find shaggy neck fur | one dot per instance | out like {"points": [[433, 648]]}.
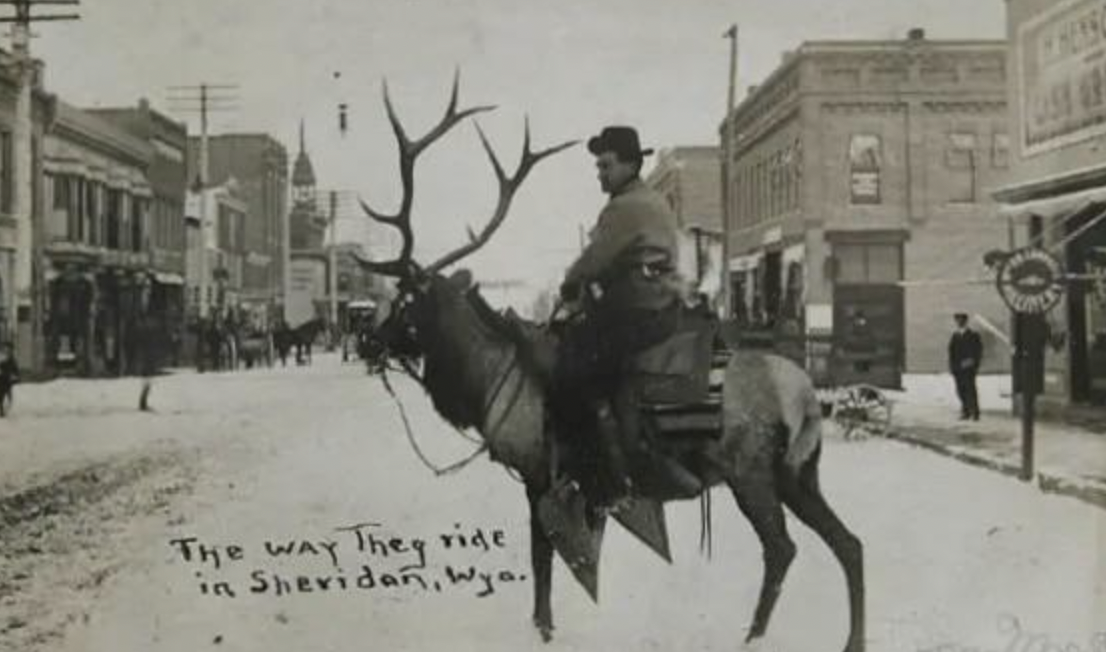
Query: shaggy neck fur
{"points": [[465, 358]]}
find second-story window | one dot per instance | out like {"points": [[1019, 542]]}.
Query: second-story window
{"points": [[960, 159], [865, 169], [113, 216], [1000, 150]]}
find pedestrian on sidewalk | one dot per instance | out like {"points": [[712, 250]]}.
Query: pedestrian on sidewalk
{"points": [[9, 376], [965, 354], [148, 338]]}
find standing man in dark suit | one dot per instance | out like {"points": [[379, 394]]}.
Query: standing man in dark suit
{"points": [[965, 354]]}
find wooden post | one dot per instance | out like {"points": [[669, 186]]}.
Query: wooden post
{"points": [[727, 156]]}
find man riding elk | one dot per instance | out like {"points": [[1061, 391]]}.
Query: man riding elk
{"points": [[627, 288]]}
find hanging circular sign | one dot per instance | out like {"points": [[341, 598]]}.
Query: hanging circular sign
{"points": [[1031, 280]]}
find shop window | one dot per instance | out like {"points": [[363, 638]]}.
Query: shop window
{"points": [[793, 293], [865, 169], [113, 218], [961, 163], [738, 297], [94, 234], [76, 232], [7, 169], [139, 224], [797, 173]]}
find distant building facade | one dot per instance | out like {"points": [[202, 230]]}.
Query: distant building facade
{"points": [[307, 222], [21, 270], [97, 242], [1056, 194], [690, 180], [859, 198], [258, 166], [168, 179]]}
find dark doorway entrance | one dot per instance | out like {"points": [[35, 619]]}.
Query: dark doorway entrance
{"points": [[869, 332], [1086, 254]]}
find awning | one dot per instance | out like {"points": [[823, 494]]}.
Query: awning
{"points": [[1065, 205], [746, 262], [166, 278], [794, 254]]}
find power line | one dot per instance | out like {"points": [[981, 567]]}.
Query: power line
{"points": [[205, 103], [23, 14]]}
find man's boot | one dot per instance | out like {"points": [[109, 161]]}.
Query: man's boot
{"points": [[616, 485]]}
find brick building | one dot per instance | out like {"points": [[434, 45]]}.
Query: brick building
{"points": [[258, 165], [690, 179], [20, 268], [1056, 195], [96, 241], [860, 209], [227, 212], [168, 178]]}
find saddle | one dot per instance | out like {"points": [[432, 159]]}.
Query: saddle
{"points": [[678, 382]]}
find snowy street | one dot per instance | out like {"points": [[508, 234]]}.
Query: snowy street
{"points": [[284, 509]]}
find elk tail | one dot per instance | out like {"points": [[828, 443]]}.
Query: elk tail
{"points": [[806, 434]]}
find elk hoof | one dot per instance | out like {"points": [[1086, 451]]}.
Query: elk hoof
{"points": [[545, 629]]}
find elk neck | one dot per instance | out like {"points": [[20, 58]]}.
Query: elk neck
{"points": [[466, 359]]}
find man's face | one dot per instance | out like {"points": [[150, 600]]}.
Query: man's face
{"points": [[614, 173], [961, 322]]}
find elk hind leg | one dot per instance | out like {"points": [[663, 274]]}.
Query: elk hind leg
{"points": [[802, 494], [758, 500]]}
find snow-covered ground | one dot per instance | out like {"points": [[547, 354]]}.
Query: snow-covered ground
{"points": [[957, 558], [939, 390]]}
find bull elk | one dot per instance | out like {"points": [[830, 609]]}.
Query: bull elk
{"points": [[481, 375]]}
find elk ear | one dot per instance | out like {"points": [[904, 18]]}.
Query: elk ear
{"points": [[461, 280]]}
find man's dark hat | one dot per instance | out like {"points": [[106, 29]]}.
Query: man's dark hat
{"points": [[960, 315], [620, 140]]}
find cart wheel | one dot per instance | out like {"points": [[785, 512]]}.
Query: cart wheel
{"points": [[861, 411]]}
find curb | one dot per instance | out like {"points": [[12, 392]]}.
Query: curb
{"points": [[1046, 482]]}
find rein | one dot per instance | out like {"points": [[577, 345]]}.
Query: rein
{"points": [[438, 471], [483, 444]]}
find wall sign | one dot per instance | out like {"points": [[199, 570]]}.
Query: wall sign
{"points": [[1061, 59]]}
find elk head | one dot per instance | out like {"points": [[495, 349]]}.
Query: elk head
{"points": [[424, 293]]}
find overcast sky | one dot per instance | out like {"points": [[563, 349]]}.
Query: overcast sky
{"points": [[572, 65]]}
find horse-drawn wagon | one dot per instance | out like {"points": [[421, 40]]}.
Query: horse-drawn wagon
{"points": [[845, 368]]}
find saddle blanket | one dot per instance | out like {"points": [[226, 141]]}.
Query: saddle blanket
{"points": [[700, 418]]}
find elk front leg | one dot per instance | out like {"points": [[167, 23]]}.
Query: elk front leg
{"points": [[541, 563]]}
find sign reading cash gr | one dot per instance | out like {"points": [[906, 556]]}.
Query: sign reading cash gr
{"points": [[1030, 280], [1061, 72]]}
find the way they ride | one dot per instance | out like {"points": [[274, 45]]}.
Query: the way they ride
{"points": [[484, 372]]}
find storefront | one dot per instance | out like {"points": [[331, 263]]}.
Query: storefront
{"points": [[1056, 198]]}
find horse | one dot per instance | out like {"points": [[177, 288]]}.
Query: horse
{"points": [[302, 337], [481, 375], [256, 349]]}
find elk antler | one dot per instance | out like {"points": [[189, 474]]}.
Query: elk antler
{"points": [[409, 151], [507, 188]]}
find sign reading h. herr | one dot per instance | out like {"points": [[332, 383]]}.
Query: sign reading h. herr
{"points": [[1030, 280], [1062, 75]]}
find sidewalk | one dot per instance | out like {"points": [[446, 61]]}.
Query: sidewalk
{"points": [[1070, 454]]}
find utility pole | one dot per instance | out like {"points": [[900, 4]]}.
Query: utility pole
{"points": [[203, 98], [30, 261], [331, 265], [727, 157]]}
